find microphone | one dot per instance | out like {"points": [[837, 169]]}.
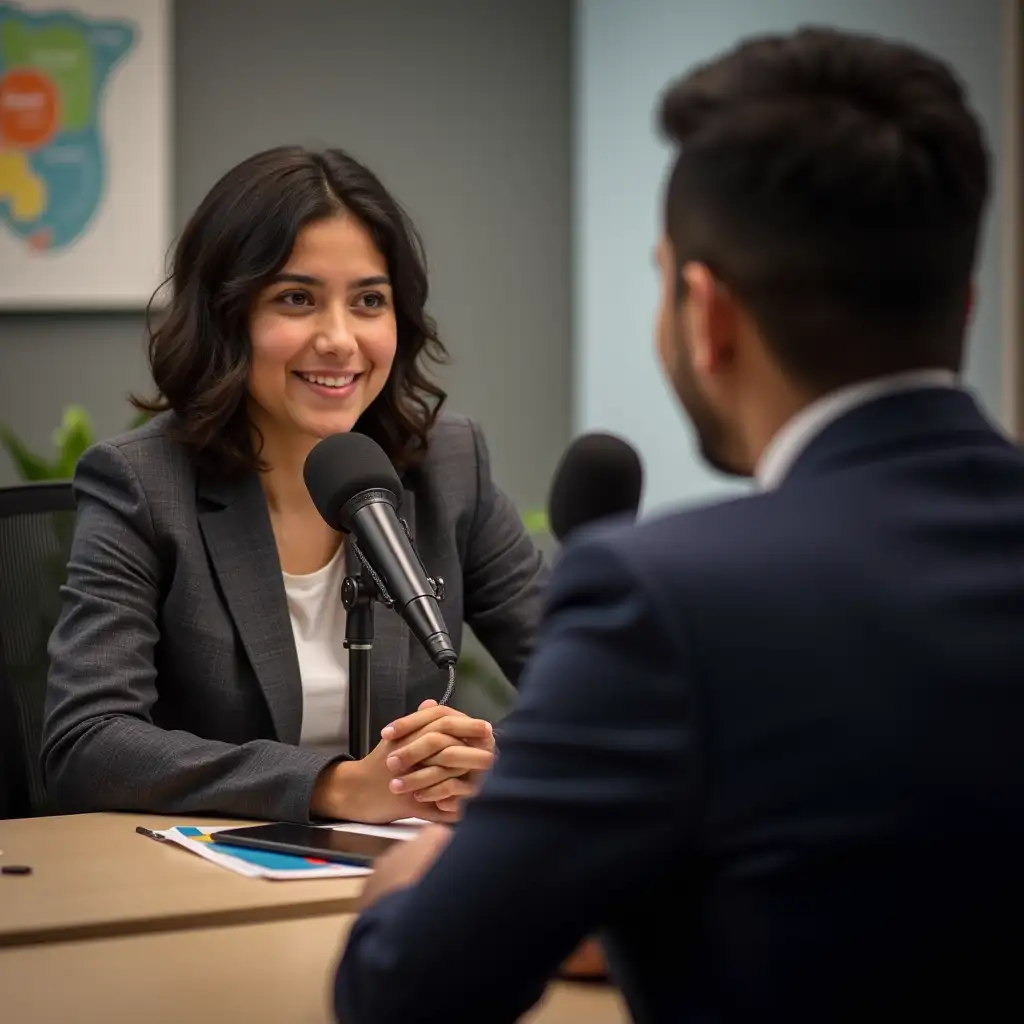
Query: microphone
{"points": [[599, 475], [356, 490]]}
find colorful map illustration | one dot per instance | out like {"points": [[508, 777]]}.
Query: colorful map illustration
{"points": [[54, 69]]}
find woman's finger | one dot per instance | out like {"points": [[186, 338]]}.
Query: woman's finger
{"points": [[422, 778], [446, 790]]}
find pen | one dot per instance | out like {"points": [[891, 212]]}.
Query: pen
{"points": [[150, 833]]}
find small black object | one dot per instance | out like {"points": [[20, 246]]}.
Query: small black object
{"points": [[15, 869], [149, 833], [600, 475]]}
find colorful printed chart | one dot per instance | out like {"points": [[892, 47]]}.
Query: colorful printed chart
{"points": [[54, 69], [85, 153]]}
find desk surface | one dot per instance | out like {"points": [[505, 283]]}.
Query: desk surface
{"points": [[175, 937], [253, 973], [93, 876]]}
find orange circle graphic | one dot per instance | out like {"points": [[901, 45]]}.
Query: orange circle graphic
{"points": [[28, 109]]}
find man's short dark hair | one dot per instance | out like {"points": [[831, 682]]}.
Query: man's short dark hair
{"points": [[835, 183]]}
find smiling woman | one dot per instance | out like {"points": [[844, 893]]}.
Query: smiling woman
{"points": [[323, 335], [296, 262], [199, 663]]}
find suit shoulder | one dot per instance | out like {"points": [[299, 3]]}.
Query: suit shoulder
{"points": [[453, 457], [163, 466], [451, 433], [727, 533], [150, 440]]}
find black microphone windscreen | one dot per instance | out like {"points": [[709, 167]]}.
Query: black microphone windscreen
{"points": [[342, 466], [599, 475]]}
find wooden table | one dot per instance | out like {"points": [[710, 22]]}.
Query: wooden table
{"points": [[113, 926], [93, 876]]}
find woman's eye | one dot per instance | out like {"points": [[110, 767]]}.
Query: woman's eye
{"points": [[374, 300], [299, 299]]}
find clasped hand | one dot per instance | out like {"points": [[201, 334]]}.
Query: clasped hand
{"points": [[438, 755], [425, 765]]}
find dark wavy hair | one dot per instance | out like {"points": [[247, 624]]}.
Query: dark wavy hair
{"points": [[241, 235]]}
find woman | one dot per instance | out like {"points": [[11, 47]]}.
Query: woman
{"points": [[198, 663]]}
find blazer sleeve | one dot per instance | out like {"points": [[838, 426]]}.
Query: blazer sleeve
{"points": [[505, 576], [101, 749], [593, 795]]}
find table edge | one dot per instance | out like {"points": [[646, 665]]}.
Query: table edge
{"points": [[186, 921]]}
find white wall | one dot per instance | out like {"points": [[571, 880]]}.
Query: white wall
{"points": [[627, 51]]}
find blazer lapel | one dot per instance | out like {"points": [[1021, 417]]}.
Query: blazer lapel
{"points": [[389, 661], [240, 542]]}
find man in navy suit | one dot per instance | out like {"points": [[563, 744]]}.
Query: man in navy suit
{"points": [[772, 751]]}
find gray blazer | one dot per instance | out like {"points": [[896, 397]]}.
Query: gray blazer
{"points": [[174, 682]]}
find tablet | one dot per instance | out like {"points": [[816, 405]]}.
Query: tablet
{"points": [[308, 841]]}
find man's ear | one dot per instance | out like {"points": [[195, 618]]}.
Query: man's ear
{"points": [[711, 319]]}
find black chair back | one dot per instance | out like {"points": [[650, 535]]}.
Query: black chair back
{"points": [[36, 526]]}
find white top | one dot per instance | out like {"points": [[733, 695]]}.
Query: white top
{"points": [[318, 625], [786, 446]]}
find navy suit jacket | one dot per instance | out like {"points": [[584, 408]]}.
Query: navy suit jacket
{"points": [[772, 750]]}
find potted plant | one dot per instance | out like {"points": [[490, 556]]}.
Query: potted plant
{"points": [[70, 440]]}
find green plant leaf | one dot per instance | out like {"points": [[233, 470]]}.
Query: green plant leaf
{"points": [[536, 521], [470, 666], [474, 670], [72, 438], [30, 467]]}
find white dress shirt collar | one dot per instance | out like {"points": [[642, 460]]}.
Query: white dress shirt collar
{"points": [[790, 441]]}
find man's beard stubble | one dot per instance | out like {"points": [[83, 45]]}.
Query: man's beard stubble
{"points": [[712, 430]]}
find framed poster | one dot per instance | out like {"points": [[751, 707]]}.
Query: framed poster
{"points": [[84, 153]]}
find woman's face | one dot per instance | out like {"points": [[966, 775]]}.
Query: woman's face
{"points": [[323, 336]]}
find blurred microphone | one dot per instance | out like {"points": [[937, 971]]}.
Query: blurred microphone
{"points": [[599, 475], [356, 489]]}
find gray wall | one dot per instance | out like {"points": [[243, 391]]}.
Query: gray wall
{"points": [[462, 107]]}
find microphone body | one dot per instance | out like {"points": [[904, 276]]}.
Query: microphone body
{"points": [[357, 491], [395, 568]]}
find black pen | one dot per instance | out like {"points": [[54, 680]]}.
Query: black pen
{"points": [[149, 832]]}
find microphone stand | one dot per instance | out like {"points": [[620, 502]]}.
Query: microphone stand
{"points": [[359, 595]]}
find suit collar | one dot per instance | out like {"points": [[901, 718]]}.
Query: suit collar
{"points": [[240, 543], [925, 418], [221, 490], [785, 448]]}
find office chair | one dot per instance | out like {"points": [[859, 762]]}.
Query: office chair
{"points": [[36, 526]]}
